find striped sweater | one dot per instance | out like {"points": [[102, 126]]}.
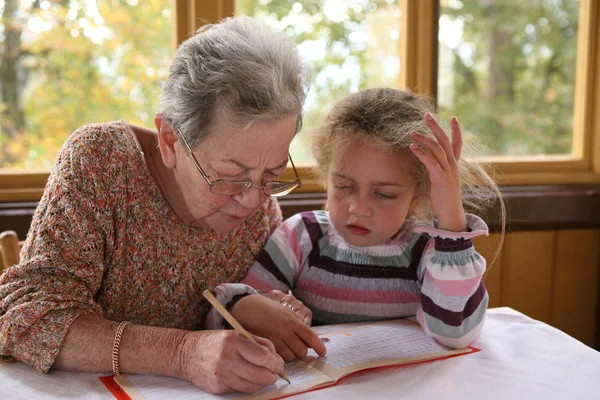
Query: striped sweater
{"points": [[423, 271]]}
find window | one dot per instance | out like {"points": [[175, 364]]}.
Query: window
{"points": [[66, 64], [563, 152], [508, 70], [538, 117], [350, 45]]}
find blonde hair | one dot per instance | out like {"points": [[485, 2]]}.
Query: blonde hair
{"points": [[385, 117]]}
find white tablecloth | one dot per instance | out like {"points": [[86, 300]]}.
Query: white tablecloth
{"points": [[520, 358]]}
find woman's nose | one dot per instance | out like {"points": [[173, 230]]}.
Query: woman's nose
{"points": [[251, 198]]}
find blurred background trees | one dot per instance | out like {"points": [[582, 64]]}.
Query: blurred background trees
{"points": [[68, 63], [505, 68], [511, 76]]}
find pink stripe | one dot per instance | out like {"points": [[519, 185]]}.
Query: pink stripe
{"points": [[257, 283], [421, 319], [292, 239], [356, 295], [455, 287]]}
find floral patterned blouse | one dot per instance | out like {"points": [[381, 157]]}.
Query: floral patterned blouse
{"points": [[104, 241]]}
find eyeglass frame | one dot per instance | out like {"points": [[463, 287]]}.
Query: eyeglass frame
{"points": [[244, 183]]}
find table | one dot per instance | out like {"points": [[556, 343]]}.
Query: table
{"points": [[520, 358]]}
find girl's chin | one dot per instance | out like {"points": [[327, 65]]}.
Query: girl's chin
{"points": [[360, 241]]}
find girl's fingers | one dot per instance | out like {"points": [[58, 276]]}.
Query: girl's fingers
{"points": [[456, 138], [312, 340], [434, 148], [297, 346], [304, 315], [440, 135], [284, 351], [426, 158]]}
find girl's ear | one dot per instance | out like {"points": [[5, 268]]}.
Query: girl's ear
{"points": [[166, 141]]}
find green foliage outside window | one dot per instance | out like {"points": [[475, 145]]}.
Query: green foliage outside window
{"points": [[506, 68], [69, 63], [350, 45], [510, 77]]}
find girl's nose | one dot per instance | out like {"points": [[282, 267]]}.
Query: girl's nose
{"points": [[360, 207]]}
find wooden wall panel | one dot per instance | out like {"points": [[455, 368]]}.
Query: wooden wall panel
{"points": [[486, 246], [575, 292], [547, 269], [529, 272]]}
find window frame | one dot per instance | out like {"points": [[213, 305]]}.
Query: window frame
{"points": [[418, 52], [188, 15], [419, 41]]}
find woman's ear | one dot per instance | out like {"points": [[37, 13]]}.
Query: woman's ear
{"points": [[167, 137]]}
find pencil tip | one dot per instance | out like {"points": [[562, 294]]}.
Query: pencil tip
{"points": [[284, 376]]}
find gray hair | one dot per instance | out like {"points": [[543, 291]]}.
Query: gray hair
{"points": [[239, 68]]}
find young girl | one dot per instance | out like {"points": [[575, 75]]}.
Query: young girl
{"points": [[388, 166]]}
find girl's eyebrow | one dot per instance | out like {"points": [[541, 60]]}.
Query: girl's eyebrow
{"points": [[383, 183], [377, 183], [338, 175]]}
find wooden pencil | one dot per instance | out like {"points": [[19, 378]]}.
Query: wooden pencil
{"points": [[233, 322]]}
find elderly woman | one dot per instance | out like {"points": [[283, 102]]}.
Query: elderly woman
{"points": [[135, 224]]}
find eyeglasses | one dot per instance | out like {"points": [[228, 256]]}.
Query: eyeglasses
{"points": [[228, 187]]}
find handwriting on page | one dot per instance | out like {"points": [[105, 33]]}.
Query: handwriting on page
{"points": [[378, 342], [160, 387], [297, 372]]}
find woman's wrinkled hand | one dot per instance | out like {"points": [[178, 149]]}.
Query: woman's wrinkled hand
{"points": [[301, 312], [272, 320], [224, 361]]}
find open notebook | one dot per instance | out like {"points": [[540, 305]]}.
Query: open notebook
{"points": [[350, 348]]}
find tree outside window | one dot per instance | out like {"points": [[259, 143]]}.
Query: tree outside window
{"points": [[507, 69], [73, 62]]}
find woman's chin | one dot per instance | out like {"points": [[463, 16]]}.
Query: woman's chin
{"points": [[226, 225]]}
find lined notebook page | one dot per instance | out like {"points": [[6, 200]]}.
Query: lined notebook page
{"points": [[380, 344], [350, 348], [157, 387]]}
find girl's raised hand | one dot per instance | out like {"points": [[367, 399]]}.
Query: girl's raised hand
{"points": [[440, 157]]}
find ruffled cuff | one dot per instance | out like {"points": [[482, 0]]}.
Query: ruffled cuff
{"points": [[475, 227], [226, 294], [455, 248]]}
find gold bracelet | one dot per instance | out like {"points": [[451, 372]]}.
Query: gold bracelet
{"points": [[116, 344]]}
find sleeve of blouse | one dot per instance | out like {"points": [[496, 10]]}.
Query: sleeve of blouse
{"points": [[62, 262], [453, 296], [276, 267]]}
